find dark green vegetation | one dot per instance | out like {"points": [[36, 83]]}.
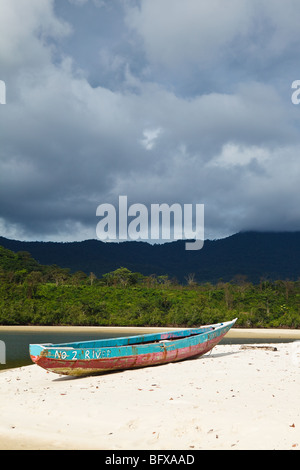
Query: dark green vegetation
{"points": [[255, 255], [35, 294]]}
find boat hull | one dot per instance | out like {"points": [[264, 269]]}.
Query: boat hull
{"points": [[85, 360]]}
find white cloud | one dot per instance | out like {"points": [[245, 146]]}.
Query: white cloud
{"points": [[97, 3], [197, 45], [24, 27], [150, 136], [236, 155], [176, 32]]}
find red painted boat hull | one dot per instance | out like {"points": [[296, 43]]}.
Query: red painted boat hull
{"points": [[95, 365]]}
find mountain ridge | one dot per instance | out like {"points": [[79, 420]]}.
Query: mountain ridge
{"points": [[254, 255]]}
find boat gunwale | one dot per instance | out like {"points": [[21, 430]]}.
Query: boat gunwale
{"points": [[138, 340]]}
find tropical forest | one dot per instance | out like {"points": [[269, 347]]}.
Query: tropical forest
{"points": [[36, 294]]}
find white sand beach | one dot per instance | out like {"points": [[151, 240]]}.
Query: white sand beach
{"points": [[236, 397]]}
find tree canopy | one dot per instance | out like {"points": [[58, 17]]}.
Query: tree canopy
{"points": [[34, 294]]}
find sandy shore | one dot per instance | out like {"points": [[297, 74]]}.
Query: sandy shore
{"points": [[232, 398], [237, 333]]}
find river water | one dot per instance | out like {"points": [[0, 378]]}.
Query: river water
{"points": [[16, 341]]}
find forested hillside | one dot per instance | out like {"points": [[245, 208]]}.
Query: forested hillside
{"points": [[256, 255], [34, 294]]}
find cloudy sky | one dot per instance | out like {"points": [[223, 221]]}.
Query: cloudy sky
{"points": [[165, 101]]}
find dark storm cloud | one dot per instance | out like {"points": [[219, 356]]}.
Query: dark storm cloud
{"points": [[159, 100]]}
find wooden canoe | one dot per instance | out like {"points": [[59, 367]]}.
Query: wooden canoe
{"points": [[93, 357]]}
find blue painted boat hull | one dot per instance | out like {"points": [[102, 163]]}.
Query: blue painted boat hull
{"points": [[94, 357]]}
